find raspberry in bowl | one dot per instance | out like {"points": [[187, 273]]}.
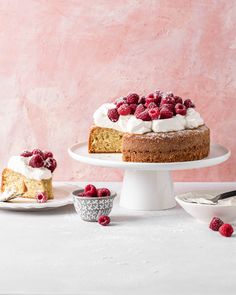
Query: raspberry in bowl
{"points": [[91, 202]]}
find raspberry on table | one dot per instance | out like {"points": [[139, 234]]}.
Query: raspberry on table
{"points": [[90, 191], [104, 220], [215, 223], [226, 230], [103, 192], [113, 115]]}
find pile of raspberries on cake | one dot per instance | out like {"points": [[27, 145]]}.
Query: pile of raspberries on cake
{"points": [[157, 105], [39, 159]]}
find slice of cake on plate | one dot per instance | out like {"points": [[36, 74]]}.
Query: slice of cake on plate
{"points": [[30, 174], [160, 127]]}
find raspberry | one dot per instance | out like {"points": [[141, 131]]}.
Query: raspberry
{"points": [[148, 101], [82, 194], [178, 99], [180, 112], [168, 100], [188, 103], [215, 223], [90, 191], [26, 154], [124, 110], [157, 99], [36, 161], [103, 192], [41, 197], [168, 106], [151, 95], [142, 100], [104, 220], [159, 93], [180, 106], [119, 103], [152, 105], [154, 113], [226, 230], [140, 108], [171, 94], [47, 155], [37, 152], [144, 116], [132, 98], [165, 113], [158, 96], [50, 164], [133, 107], [113, 115], [180, 109]]}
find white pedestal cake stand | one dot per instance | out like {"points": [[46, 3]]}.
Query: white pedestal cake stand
{"points": [[146, 186]]}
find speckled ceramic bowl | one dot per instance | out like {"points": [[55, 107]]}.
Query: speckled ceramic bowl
{"points": [[89, 208]]}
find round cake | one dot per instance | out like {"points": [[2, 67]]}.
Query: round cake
{"points": [[160, 127], [174, 146]]}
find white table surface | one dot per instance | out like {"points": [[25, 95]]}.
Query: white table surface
{"points": [[165, 252]]}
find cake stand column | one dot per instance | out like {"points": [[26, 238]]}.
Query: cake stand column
{"points": [[147, 190]]}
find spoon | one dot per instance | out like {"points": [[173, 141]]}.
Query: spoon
{"points": [[214, 200], [9, 196]]}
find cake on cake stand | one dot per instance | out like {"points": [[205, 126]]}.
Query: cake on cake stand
{"points": [[147, 186]]}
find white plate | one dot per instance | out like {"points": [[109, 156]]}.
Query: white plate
{"points": [[62, 197], [204, 212], [79, 152]]}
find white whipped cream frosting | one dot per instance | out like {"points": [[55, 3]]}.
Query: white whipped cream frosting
{"points": [[133, 125], [138, 126], [172, 124], [193, 119], [21, 165]]}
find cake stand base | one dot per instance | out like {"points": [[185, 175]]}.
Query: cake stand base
{"points": [[147, 186], [147, 190]]}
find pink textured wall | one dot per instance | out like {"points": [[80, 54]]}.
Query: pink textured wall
{"points": [[60, 59]]}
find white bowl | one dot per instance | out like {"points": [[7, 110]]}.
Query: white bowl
{"points": [[205, 213]]}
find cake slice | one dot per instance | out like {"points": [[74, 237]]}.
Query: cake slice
{"points": [[30, 174], [104, 140]]}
